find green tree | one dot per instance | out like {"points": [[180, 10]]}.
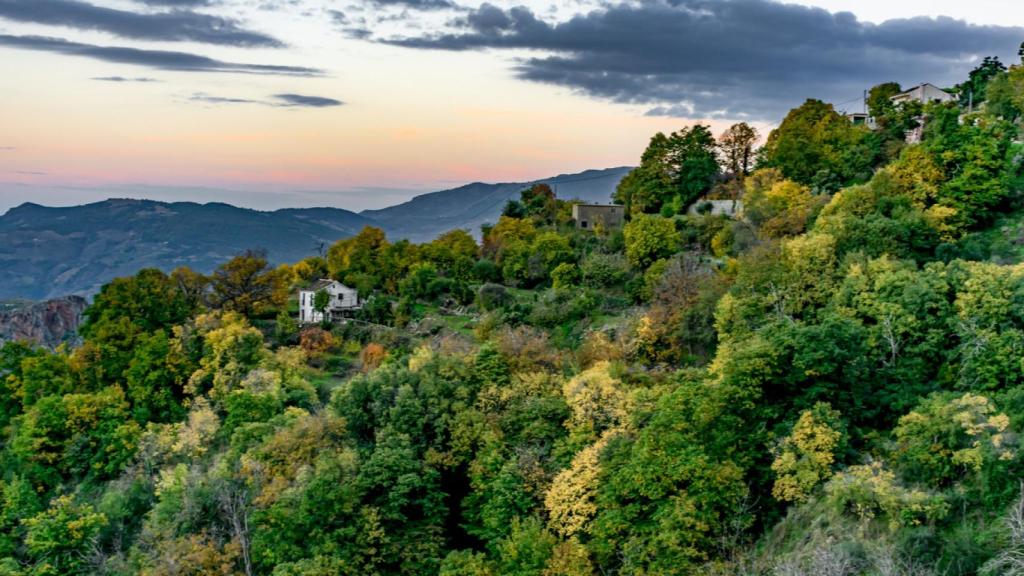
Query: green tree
{"points": [[60, 539], [650, 238], [248, 285], [737, 148], [674, 170], [806, 456], [975, 89], [321, 300], [816, 146]]}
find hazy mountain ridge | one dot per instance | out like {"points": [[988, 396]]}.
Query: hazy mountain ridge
{"points": [[49, 252], [469, 206]]}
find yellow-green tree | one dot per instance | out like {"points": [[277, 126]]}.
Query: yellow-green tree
{"points": [[806, 457]]}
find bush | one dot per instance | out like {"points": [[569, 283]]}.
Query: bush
{"points": [[650, 238], [565, 275], [604, 270], [557, 307], [486, 271], [492, 297]]}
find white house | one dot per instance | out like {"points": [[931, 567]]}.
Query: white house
{"points": [[924, 93], [716, 207], [343, 299]]}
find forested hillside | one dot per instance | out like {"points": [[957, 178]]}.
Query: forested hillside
{"points": [[831, 383], [49, 252]]}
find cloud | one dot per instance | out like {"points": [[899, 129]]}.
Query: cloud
{"points": [[8, 148], [124, 79], [29, 173], [298, 100], [158, 59], [277, 101], [175, 25], [176, 3], [208, 99], [417, 4], [722, 58]]}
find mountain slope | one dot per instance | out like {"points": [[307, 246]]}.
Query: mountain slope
{"points": [[424, 217], [47, 323], [50, 252]]}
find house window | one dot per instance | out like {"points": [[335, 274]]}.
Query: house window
{"points": [[583, 223]]}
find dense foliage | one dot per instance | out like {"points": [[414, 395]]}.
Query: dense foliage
{"points": [[829, 383]]}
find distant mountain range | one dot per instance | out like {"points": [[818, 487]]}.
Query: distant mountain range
{"points": [[48, 252], [424, 217]]}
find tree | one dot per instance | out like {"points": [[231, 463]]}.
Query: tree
{"points": [[674, 171], [948, 438], [1005, 94], [247, 284], [321, 300], [805, 457], [816, 146], [694, 163], [880, 104], [649, 238], [359, 261], [539, 202], [645, 188], [975, 89], [156, 379], [61, 538], [737, 147]]}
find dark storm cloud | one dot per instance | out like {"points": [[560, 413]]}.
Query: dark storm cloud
{"points": [[298, 100], [176, 3], [159, 59], [176, 25], [724, 58], [277, 101]]}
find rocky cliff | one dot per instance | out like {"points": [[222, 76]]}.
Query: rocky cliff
{"points": [[47, 323]]}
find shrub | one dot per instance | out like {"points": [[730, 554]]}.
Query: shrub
{"points": [[491, 297], [604, 270], [565, 275]]}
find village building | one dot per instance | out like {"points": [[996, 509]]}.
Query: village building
{"points": [[924, 93], [588, 216], [730, 208], [862, 119], [342, 300]]}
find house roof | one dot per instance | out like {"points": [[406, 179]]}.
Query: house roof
{"points": [[324, 283], [908, 91]]}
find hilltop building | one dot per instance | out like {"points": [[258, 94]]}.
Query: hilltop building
{"points": [[587, 216], [343, 300], [924, 93], [730, 208], [862, 119]]}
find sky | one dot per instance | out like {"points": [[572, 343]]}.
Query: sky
{"points": [[365, 103]]}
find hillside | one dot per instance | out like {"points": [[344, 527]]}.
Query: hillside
{"points": [[51, 252], [827, 384], [467, 207], [49, 323]]}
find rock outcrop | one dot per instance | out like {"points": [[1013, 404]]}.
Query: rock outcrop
{"points": [[49, 323]]}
